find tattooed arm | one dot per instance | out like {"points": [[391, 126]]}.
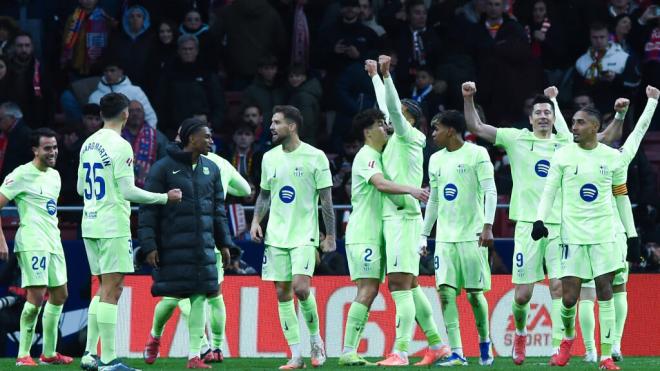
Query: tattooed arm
{"points": [[328, 211], [260, 211]]}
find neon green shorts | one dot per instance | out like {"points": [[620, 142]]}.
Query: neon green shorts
{"points": [[366, 261], [590, 261], [620, 277], [401, 239], [462, 265], [41, 268], [218, 265], [280, 265], [529, 255], [109, 255]]}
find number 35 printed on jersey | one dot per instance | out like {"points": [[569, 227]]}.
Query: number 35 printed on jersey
{"points": [[94, 185]]}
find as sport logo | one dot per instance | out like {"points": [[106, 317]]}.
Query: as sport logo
{"points": [[287, 194], [450, 192], [589, 192], [542, 168]]}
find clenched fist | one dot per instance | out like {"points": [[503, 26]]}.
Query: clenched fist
{"points": [[469, 89]]}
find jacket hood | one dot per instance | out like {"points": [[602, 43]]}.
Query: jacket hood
{"points": [[126, 16], [104, 86]]}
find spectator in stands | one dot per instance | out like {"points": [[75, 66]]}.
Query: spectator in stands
{"points": [[368, 18], [354, 92], [645, 38], [85, 39], [266, 91], [31, 86], [502, 51], [341, 168], [5, 79], [208, 51], [620, 29], [149, 144], [582, 100], [547, 42], [252, 116], [415, 45], [8, 29], [132, 45], [244, 155], [69, 153], [605, 71], [251, 30], [305, 94], [15, 148], [187, 87], [424, 92], [622, 7], [161, 53], [643, 190], [114, 81]]}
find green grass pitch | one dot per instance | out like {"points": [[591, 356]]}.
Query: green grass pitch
{"points": [[501, 363]]}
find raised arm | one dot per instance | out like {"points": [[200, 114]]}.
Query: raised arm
{"points": [[401, 126], [371, 67], [472, 120], [328, 211], [614, 130], [631, 146], [560, 123]]}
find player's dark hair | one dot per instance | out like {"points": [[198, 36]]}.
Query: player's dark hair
{"points": [[291, 114], [365, 119], [112, 104], [594, 113], [452, 119], [414, 108], [37, 134], [542, 99], [189, 127]]}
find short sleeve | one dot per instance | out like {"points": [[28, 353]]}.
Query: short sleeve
{"points": [[123, 162], [504, 137], [264, 173], [12, 185], [322, 176], [368, 167], [483, 165]]}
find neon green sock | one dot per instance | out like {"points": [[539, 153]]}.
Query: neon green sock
{"points": [[354, 324], [50, 322], [92, 327], [568, 319], [184, 307], [196, 322], [289, 322], [28, 321], [162, 313], [106, 317], [480, 310], [587, 324], [405, 318], [310, 314], [424, 316], [620, 314], [557, 322], [606, 319], [520, 313], [450, 315], [218, 319]]}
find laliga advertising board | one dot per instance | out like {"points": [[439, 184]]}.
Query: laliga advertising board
{"points": [[253, 327]]}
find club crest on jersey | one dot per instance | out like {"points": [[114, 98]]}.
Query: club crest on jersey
{"points": [[205, 170], [603, 170], [589, 192], [287, 194], [298, 171], [51, 207], [542, 168], [450, 192], [461, 168]]}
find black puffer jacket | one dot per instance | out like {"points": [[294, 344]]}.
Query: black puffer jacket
{"points": [[185, 234]]}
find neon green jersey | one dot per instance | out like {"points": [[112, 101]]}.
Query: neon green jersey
{"points": [[105, 157], [586, 179], [530, 162], [365, 224], [457, 178], [403, 160], [35, 193], [232, 181], [294, 180]]}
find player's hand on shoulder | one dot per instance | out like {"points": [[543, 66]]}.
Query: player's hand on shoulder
{"points": [[621, 105], [174, 195], [469, 89], [255, 233], [329, 244], [152, 259], [422, 249], [486, 237], [4, 250], [652, 92], [421, 194], [551, 92]]}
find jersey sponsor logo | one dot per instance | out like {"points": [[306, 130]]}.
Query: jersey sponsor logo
{"points": [[589, 192], [542, 168], [298, 171], [287, 194], [51, 207], [450, 192]]}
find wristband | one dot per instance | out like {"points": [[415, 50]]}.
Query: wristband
{"points": [[620, 115]]}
